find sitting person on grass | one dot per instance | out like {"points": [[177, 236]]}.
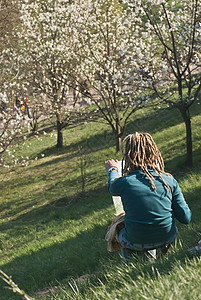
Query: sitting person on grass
{"points": [[151, 198]]}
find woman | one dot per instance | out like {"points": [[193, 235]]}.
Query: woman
{"points": [[151, 197]]}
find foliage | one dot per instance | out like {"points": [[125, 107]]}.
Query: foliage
{"points": [[47, 48], [9, 23], [107, 52], [13, 127], [12, 124], [171, 53], [117, 55]]}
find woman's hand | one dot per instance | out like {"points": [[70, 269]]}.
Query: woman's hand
{"points": [[111, 163]]}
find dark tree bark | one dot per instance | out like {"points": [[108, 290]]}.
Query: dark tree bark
{"points": [[189, 145], [59, 132]]}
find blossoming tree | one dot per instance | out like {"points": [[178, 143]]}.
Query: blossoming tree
{"points": [[11, 125], [47, 45], [172, 56], [107, 52]]}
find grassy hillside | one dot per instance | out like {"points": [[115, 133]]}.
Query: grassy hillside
{"points": [[54, 215]]}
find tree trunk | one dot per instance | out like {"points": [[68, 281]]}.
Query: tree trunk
{"points": [[189, 146], [118, 135], [35, 127], [34, 122], [59, 133], [118, 144]]}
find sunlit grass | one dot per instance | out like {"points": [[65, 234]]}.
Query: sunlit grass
{"points": [[52, 232]]}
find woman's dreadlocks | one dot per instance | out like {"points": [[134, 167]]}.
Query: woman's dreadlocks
{"points": [[141, 151]]}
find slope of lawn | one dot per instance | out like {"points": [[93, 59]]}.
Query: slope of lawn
{"points": [[54, 214]]}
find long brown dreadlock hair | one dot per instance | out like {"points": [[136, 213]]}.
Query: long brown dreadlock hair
{"points": [[141, 151]]}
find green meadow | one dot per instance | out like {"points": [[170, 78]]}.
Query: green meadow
{"points": [[55, 211]]}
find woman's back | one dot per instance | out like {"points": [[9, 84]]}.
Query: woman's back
{"points": [[151, 197]]}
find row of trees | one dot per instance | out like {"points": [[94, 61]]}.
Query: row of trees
{"points": [[9, 129], [119, 54]]}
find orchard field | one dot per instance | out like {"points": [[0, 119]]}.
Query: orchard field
{"points": [[55, 213]]}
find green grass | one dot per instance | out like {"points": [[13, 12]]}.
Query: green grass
{"points": [[52, 232]]}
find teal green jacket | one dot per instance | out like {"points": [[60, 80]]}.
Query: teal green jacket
{"points": [[149, 215]]}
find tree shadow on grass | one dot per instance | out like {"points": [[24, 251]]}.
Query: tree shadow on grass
{"points": [[63, 208], [193, 199], [30, 192], [104, 140], [93, 143], [153, 122], [85, 254], [177, 165], [75, 257], [66, 260], [159, 119], [86, 146], [65, 202]]}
